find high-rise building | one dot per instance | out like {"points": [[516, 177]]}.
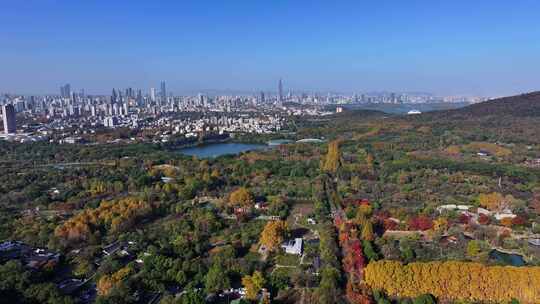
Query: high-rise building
{"points": [[152, 94], [163, 92], [280, 90], [65, 91], [114, 96], [262, 97], [140, 100], [10, 122], [201, 99], [393, 98]]}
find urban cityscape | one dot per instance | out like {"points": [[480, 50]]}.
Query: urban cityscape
{"points": [[72, 113]]}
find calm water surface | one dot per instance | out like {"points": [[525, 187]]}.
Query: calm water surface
{"points": [[507, 258], [218, 149]]}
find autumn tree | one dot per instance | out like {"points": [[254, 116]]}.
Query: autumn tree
{"points": [[483, 219], [420, 222], [241, 197], [491, 201], [107, 282], [114, 216], [367, 231], [332, 160], [453, 280], [370, 163], [273, 235], [253, 284], [507, 221], [440, 224]]}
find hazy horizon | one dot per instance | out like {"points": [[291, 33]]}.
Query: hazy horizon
{"points": [[458, 48]]}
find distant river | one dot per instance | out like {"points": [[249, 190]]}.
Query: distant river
{"points": [[219, 149]]}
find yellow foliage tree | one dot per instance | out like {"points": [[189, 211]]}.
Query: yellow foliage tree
{"points": [[370, 163], [253, 284], [453, 150], [273, 234], [453, 281], [491, 201], [367, 231], [118, 215], [107, 282], [331, 162], [241, 197], [440, 224], [365, 210]]}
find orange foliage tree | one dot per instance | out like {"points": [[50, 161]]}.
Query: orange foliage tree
{"points": [[107, 282], [273, 234], [114, 215]]}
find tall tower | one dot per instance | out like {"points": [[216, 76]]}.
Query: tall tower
{"points": [[8, 115], [163, 91], [114, 96], [152, 94], [280, 91]]}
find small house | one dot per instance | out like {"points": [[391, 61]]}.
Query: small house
{"points": [[293, 246]]}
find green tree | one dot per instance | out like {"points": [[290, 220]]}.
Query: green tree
{"points": [[425, 299], [328, 290], [217, 279]]}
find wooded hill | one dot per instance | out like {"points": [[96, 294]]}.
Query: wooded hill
{"points": [[525, 105]]}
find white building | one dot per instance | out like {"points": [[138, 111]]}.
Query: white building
{"points": [[293, 247]]}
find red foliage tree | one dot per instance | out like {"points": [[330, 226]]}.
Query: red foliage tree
{"points": [[420, 222], [464, 219], [483, 219], [389, 224], [519, 221]]}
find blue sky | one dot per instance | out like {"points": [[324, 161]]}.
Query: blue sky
{"points": [[447, 47]]}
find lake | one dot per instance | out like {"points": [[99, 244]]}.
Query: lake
{"points": [[219, 149], [507, 258]]}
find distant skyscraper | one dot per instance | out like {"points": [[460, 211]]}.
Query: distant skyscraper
{"points": [[280, 90], [163, 92], [65, 91], [8, 115], [201, 99], [114, 96], [262, 97], [152, 94], [140, 100]]}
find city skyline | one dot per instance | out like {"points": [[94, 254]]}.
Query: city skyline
{"points": [[279, 91]]}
